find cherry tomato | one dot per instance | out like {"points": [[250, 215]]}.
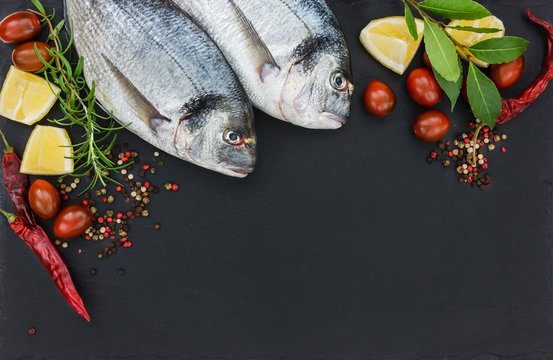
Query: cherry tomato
{"points": [[506, 75], [426, 60], [72, 221], [379, 98], [431, 125], [19, 27], [44, 199], [424, 88], [24, 56]]}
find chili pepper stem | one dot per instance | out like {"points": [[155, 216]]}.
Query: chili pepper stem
{"points": [[11, 217], [8, 149]]}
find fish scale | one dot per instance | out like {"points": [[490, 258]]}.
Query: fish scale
{"points": [[159, 73]]}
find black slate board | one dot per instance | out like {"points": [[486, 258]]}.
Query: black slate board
{"points": [[342, 245]]}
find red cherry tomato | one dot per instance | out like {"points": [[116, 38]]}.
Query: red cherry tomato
{"points": [[44, 199], [24, 56], [72, 221], [19, 27], [431, 125], [426, 60], [424, 88], [379, 98], [506, 75]]}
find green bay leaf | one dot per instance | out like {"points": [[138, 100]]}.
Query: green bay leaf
{"points": [[441, 51], [451, 88], [484, 98], [456, 9], [499, 50], [411, 24]]}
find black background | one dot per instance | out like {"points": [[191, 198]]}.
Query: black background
{"points": [[342, 245]]}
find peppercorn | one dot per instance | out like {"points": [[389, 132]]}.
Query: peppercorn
{"points": [[93, 271], [120, 271]]}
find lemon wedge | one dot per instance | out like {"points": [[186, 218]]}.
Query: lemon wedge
{"points": [[25, 97], [389, 41], [47, 152], [467, 38]]}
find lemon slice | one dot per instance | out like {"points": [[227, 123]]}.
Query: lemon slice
{"points": [[25, 97], [389, 41], [47, 152], [468, 38]]}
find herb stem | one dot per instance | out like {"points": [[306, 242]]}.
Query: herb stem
{"points": [[460, 48], [474, 142]]}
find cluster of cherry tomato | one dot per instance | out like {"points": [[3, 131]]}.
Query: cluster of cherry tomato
{"points": [[430, 126], [70, 222], [21, 28]]}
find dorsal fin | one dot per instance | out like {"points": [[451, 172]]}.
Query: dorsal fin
{"points": [[142, 107], [266, 63]]}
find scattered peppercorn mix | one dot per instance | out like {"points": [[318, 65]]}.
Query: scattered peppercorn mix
{"points": [[467, 155], [111, 226]]}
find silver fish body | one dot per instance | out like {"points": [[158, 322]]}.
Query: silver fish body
{"points": [[161, 75], [290, 55]]}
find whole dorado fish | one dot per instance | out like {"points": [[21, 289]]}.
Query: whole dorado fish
{"points": [[290, 55], [157, 71]]}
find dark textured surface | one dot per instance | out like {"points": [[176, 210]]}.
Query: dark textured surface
{"points": [[342, 245]]}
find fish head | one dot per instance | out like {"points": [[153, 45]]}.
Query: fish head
{"points": [[318, 89], [219, 137]]}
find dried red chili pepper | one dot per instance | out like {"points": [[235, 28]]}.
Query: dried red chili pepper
{"points": [[24, 224], [513, 107], [43, 248], [17, 184]]}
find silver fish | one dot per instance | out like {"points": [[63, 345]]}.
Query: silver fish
{"points": [[156, 70], [290, 55]]}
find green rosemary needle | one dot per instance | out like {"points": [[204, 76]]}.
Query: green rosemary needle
{"points": [[77, 103]]}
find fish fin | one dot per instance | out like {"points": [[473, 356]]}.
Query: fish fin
{"points": [[142, 107], [267, 70], [267, 64]]}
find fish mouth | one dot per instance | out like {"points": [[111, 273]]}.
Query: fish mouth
{"points": [[239, 172], [330, 121]]}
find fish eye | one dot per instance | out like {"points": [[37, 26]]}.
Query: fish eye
{"points": [[232, 137], [338, 81]]}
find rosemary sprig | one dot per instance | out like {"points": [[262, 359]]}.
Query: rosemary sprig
{"points": [[78, 102]]}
